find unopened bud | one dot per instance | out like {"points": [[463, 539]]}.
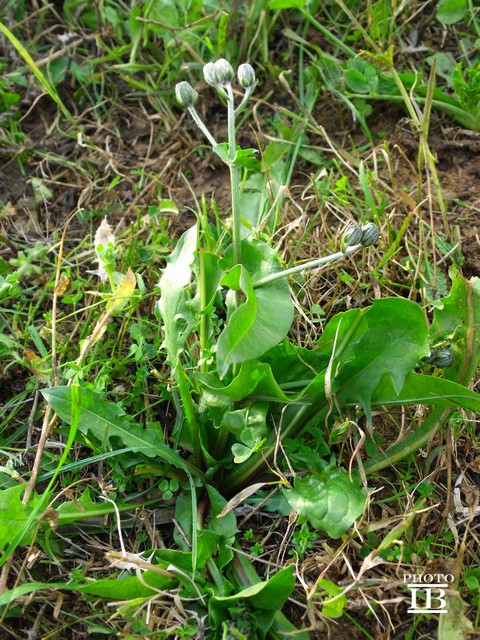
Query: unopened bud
{"points": [[370, 233], [439, 357], [246, 76], [185, 94], [224, 71], [443, 358], [210, 74], [352, 236]]}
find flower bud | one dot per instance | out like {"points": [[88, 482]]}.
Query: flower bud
{"points": [[439, 357], [185, 94], [224, 71], [246, 76], [352, 236], [210, 74], [370, 233], [443, 358]]}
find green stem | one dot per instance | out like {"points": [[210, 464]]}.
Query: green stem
{"points": [[202, 339], [199, 122], [234, 177], [307, 265], [422, 122], [328, 35]]}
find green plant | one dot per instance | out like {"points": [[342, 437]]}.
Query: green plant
{"points": [[303, 540], [241, 388]]}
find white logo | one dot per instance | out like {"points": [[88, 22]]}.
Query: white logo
{"points": [[432, 586]]}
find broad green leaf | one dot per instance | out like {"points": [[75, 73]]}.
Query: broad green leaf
{"points": [[293, 366], [173, 304], [457, 321], [13, 514], [264, 319], [106, 420], [126, 588], [265, 598], [429, 390], [389, 338], [254, 377], [451, 11], [331, 502], [225, 527]]}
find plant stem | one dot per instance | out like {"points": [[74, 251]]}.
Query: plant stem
{"points": [[199, 122], [234, 177], [307, 265], [203, 316]]}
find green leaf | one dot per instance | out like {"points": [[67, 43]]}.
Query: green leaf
{"points": [[274, 5], [451, 11], [389, 338], [225, 527], [253, 377], [457, 321], [428, 390], [251, 442], [331, 502], [126, 588], [265, 318], [106, 420], [174, 297], [335, 608], [243, 157], [13, 515], [266, 598], [361, 77]]}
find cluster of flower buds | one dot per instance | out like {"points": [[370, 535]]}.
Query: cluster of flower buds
{"points": [[218, 74], [364, 235]]}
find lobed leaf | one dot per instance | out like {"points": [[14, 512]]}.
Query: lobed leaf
{"points": [[173, 304], [387, 339], [13, 514], [106, 420], [331, 502]]}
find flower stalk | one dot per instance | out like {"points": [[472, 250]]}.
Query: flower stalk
{"points": [[219, 75], [355, 238]]}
